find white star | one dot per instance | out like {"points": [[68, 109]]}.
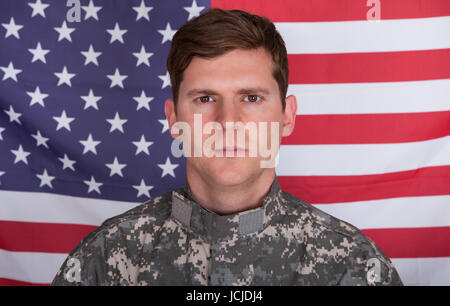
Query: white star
{"points": [[166, 80], [39, 53], [165, 125], [168, 168], [37, 96], [1, 173], [142, 145], [38, 8], [10, 72], [40, 139], [12, 28], [63, 121], [116, 79], [67, 163], [167, 34], [64, 77], [91, 100], [143, 57], [116, 123], [64, 32], [21, 155], [194, 10], [91, 56], [116, 168], [91, 10], [93, 185], [142, 11], [116, 33], [89, 145], [143, 189], [1, 131], [13, 116], [143, 101], [45, 179]]}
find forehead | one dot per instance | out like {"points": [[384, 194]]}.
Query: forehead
{"points": [[235, 69]]}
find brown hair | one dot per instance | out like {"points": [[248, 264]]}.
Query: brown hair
{"points": [[218, 31]]}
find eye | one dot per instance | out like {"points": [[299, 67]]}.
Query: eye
{"points": [[252, 98], [204, 99]]}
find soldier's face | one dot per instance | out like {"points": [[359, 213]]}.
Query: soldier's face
{"points": [[235, 87]]}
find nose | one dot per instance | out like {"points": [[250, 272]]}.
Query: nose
{"points": [[228, 111]]}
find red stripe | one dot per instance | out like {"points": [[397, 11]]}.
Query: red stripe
{"points": [[41, 237], [336, 189], [412, 242], [333, 10], [13, 282], [368, 128], [369, 67]]}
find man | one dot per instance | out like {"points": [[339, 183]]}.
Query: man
{"points": [[231, 224]]}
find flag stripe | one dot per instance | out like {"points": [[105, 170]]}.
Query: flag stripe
{"points": [[322, 189], [372, 98], [332, 10], [363, 36], [368, 128], [423, 271], [362, 159], [369, 67], [13, 282]]}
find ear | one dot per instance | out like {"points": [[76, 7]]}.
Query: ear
{"points": [[290, 113], [169, 110]]}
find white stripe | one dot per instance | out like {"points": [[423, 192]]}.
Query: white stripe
{"points": [[368, 98], [362, 159], [56, 208], [423, 271], [366, 36], [30, 267], [428, 211]]}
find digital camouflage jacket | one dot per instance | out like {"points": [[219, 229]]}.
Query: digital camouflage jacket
{"points": [[172, 240]]}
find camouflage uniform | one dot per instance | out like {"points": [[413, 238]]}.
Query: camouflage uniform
{"points": [[172, 240]]}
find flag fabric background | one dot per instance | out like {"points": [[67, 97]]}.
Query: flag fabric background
{"points": [[83, 135]]}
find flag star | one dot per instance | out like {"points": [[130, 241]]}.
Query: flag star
{"points": [[63, 121], [45, 179], [39, 53], [116, 33], [91, 56], [40, 139], [64, 32], [10, 72], [89, 145], [91, 100], [37, 96], [93, 185], [91, 10], [143, 101], [116, 168], [13, 116], [143, 189], [116, 78], [1, 173], [143, 57], [67, 163], [168, 168], [194, 10], [165, 125], [38, 8], [116, 123], [142, 11], [167, 34], [166, 80], [21, 155], [142, 145], [12, 28], [1, 131], [64, 77]]}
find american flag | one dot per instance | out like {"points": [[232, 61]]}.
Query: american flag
{"points": [[83, 135]]}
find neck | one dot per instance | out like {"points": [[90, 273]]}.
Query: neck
{"points": [[229, 199]]}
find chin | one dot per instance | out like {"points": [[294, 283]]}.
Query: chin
{"points": [[232, 171]]}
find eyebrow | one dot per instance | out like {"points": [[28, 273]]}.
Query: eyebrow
{"points": [[209, 92]]}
